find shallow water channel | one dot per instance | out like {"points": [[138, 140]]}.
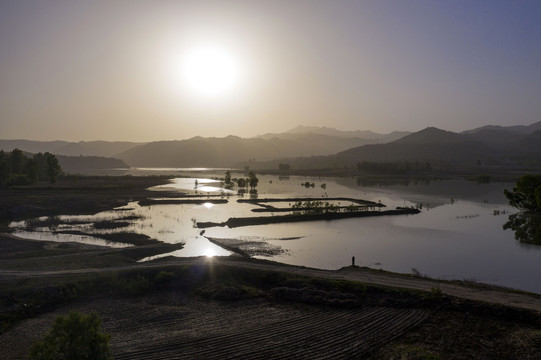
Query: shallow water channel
{"points": [[458, 234]]}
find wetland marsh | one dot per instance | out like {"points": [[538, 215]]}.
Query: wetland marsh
{"points": [[458, 233]]}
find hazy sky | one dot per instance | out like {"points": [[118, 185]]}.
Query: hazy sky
{"points": [[113, 70]]}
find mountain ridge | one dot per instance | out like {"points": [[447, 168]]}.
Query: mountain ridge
{"points": [[488, 144]]}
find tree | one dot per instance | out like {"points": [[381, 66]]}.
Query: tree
{"points": [[253, 180], [526, 195], [31, 169], [5, 172], [241, 182], [227, 179], [17, 160], [41, 160], [73, 337], [53, 167], [527, 227]]}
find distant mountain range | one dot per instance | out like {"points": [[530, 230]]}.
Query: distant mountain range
{"points": [[307, 146], [364, 135], [488, 145], [213, 152], [521, 129]]}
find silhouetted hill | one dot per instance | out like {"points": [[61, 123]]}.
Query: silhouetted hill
{"points": [[497, 137], [228, 151], [430, 144], [321, 144], [32, 146], [529, 144], [365, 135], [522, 129], [489, 146], [97, 148], [75, 164], [432, 135], [85, 148]]}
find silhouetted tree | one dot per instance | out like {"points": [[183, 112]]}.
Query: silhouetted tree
{"points": [[41, 160], [253, 180], [17, 160], [527, 227], [5, 172], [53, 167], [227, 179], [31, 169], [526, 195], [241, 183]]}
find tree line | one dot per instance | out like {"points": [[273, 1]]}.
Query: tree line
{"points": [[396, 167], [18, 169]]}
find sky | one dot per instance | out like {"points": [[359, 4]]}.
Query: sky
{"points": [[119, 70]]}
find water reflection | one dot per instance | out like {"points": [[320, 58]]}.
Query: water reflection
{"points": [[458, 234], [527, 227]]}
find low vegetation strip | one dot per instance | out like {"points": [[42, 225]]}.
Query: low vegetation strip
{"points": [[332, 334], [356, 201], [149, 202], [263, 220]]}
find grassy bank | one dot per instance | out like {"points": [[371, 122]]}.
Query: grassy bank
{"points": [[74, 196], [454, 328]]}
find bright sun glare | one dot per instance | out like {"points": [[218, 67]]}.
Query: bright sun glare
{"points": [[209, 252], [210, 71]]}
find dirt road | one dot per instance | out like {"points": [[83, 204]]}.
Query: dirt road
{"points": [[478, 293]]}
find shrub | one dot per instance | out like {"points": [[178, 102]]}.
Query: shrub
{"points": [[19, 179], [73, 337]]}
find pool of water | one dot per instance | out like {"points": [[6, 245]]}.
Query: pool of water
{"points": [[458, 234]]}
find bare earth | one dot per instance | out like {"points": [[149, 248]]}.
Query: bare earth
{"points": [[172, 325], [486, 294], [169, 327]]}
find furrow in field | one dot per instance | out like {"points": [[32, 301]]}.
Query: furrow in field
{"points": [[330, 334]]}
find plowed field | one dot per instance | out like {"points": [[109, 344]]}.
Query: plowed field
{"points": [[166, 327]]}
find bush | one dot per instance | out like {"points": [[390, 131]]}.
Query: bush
{"points": [[164, 277], [19, 179], [73, 337]]}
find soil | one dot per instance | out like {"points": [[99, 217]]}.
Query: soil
{"points": [[176, 324]]}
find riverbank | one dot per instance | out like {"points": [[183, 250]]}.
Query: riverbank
{"points": [[235, 305], [75, 196]]}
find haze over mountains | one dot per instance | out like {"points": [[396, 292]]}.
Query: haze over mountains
{"points": [[489, 145], [306, 146], [84, 148]]}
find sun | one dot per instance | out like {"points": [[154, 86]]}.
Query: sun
{"points": [[210, 71]]}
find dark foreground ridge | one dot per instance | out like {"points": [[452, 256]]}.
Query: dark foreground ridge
{"points": [[263, 220]]}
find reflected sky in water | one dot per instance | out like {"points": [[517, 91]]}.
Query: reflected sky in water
{"points": [[458, 234]]}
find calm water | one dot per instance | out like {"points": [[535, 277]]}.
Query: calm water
{"points": [[458, 234]]}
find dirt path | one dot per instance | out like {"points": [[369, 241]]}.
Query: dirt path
{"points": [[368, 276]]}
